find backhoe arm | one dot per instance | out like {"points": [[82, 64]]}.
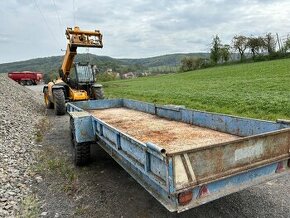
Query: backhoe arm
{"points": [[78, 38]]}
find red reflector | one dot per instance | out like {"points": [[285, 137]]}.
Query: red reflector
{"points": [[184, 197], [203, 191], [280, 167]]}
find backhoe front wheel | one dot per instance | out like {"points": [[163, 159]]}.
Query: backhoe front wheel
{"points": [[98, 92], [59, 102]]}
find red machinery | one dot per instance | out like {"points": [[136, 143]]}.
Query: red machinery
{"points": [[26, 77]]}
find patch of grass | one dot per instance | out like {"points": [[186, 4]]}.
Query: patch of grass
{"points": [[41, 128], [30, 207], [50, 162], [81, 210], [38, 136], [258, 90]]}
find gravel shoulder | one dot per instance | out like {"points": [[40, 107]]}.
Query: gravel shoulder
{"points": [[20, 111], [35, 151]]}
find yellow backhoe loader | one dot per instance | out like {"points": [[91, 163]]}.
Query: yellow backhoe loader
{"points": [[76, 80]]}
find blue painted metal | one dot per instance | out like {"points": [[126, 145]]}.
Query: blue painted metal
{"points": [[83, 127], [235, 183], [223, 168]]}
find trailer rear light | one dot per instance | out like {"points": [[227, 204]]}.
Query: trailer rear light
{"points": [[184, 197], [280, 167], [203, 191]]}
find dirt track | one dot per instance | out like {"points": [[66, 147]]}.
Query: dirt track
{"points": [[104, 189]]}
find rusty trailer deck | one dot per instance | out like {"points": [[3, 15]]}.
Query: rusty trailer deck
{"points": [[183, 157], [168, 134]]}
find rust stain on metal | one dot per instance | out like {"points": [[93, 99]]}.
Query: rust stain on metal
{"points": [[170, 135]]}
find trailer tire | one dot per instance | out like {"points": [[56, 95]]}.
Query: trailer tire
{"points": [[72, 130], [82, 154], [59, 102], [98, 93], [81, 151]]}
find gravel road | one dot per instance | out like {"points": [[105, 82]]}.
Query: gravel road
{"points": [[37, 88], [102, 189]]}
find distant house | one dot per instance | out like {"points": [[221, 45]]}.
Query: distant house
{"points": [[129, 75]]}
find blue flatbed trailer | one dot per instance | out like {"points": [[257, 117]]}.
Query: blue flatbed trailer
{"points": [[185, 179]]}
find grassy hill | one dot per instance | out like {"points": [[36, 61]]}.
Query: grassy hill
{"points": [[164, 60], [259, 90], [49, 64]]}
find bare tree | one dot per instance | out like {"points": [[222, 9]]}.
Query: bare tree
{"points": [[240, 43]]}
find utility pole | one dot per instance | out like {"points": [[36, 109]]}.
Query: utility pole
{"points": [[278, 40]]}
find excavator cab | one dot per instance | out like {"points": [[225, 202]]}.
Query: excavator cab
{"points": [[82, 77], [81, 74], [84, 73]]}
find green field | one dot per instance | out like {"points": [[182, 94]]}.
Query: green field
{"points": [[259, 90]]}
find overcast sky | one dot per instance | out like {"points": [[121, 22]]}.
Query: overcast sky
{"points": [[134, 28]]}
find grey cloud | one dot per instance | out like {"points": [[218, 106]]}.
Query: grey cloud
{"points": [[136, 28]]}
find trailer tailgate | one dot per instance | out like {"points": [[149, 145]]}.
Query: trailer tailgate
{"points": [[207, 164]]}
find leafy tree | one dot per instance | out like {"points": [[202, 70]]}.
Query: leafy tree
{"points": [[240, 43], [287, 45], [270, 43], [191, 63], [255, 44], [104, 77], [225, 53], [215, 51]]}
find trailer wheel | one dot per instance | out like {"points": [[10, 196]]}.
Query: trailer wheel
{"points": [[82, 154], [48, 103], [72, 130], [98, 93], [59, 102], [22, 83], [81, 151]]}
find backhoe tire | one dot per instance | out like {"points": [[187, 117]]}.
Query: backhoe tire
{"points": [[48, 103], [98, 93], [59, 102]]}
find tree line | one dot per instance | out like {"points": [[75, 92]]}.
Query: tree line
{"points": [[256, 48]]}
